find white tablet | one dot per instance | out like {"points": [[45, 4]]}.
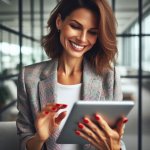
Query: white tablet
{"points": [[111, 111]]}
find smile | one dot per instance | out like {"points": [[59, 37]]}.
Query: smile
{"points": [[76, 46]]}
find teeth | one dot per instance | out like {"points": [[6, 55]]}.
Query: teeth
{"points": [[77, 46]]}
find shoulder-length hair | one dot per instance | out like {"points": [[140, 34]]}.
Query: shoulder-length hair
{"points": [[102, 54]]}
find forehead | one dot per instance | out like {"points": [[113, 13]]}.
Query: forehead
{"points": [[84, 16]]}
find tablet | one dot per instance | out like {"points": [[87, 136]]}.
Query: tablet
{"points": [[111, 111]]}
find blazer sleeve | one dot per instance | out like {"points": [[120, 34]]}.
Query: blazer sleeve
{"points": [[118, 96], [117, 92], [24, 122]]}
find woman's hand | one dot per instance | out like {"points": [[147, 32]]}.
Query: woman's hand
{"points": [[101, 135], [48, 120]]}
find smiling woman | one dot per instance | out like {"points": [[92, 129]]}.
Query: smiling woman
{"points": [[82, 46], [102, 54]]}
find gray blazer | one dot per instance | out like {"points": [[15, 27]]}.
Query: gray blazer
{"points": [[37, 87]]}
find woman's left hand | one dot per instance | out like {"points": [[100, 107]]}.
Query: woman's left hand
{"points": [[102, 136]]}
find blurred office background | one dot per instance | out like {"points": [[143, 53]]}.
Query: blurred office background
{"points": [[23, 22]]}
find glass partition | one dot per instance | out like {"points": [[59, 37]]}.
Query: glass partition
{"points": [[9, 54], [9, 14], [146, 113], [126, 13], [26, 17], [128, 55], [130, 92]]}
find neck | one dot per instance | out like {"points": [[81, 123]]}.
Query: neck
{"points": [[69, 66]]}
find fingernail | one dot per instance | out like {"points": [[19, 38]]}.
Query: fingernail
{"points": [[58, 105], [80, 125], [97, 117], [125, 120], [54, 108], [46, 112], [85, 120], [77, 132], [65, 105]]}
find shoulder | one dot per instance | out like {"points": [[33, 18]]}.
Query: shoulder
{"points": [[111, 84], [111, 77], [112, 73], [107, 75], [37, 66], [35, 70]]}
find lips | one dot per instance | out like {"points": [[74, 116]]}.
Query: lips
{"points": [[76, 47]]}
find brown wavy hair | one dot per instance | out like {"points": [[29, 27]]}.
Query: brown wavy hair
{"points": [[102, 55]]}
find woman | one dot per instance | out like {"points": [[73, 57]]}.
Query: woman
{"points": [[82, 45]]}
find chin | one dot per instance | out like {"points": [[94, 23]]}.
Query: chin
{"points": [[77, 55]]}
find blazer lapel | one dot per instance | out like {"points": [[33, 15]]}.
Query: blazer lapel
{"points": [[92, 83], [91, 90], [47, 85]]}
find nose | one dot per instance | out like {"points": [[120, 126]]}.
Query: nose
{"points": [[82, 37]]}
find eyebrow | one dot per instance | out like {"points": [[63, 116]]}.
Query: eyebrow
{"points": [[82, 25]]}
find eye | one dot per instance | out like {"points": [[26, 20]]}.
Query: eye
{"points": [[93, 32], [74, 26]]}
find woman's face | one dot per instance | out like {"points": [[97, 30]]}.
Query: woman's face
{"points": [[78, 32]]}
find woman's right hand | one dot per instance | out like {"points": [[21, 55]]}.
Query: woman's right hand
{"points": [[48, 120]]}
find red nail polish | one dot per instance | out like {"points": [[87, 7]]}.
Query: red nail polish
{"points": [[125, 120], [77, 132], [97, 117], [85, 120], [65, 105], [54, 109], [80, 125], [46, 112], [58, 105]]}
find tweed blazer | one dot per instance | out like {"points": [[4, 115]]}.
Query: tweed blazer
{"points": [[37, 87]]}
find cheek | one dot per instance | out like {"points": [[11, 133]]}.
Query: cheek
{"points": [[67, 32], [64, 37], [93, 40]]}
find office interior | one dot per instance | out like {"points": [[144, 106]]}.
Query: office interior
{"points": [[23, 23]]}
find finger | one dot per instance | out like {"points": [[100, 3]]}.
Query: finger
{"points": [[120, 125], [94, 128], [50, 110], [90, 140], [103, 124], [60, 117], [88, 132], [56, 107], [53, 108], [122, 132], [42, 113], [45, 110]]}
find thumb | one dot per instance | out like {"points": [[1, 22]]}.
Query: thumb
{"points": [[120, 125], [60, 117]]}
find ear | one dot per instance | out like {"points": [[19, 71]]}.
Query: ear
{"points": [[58, 22]]}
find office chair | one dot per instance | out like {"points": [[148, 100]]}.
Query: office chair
{"points": [[8, 136]]}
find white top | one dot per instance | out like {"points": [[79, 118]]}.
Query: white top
{"points": [[68, 94]]}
